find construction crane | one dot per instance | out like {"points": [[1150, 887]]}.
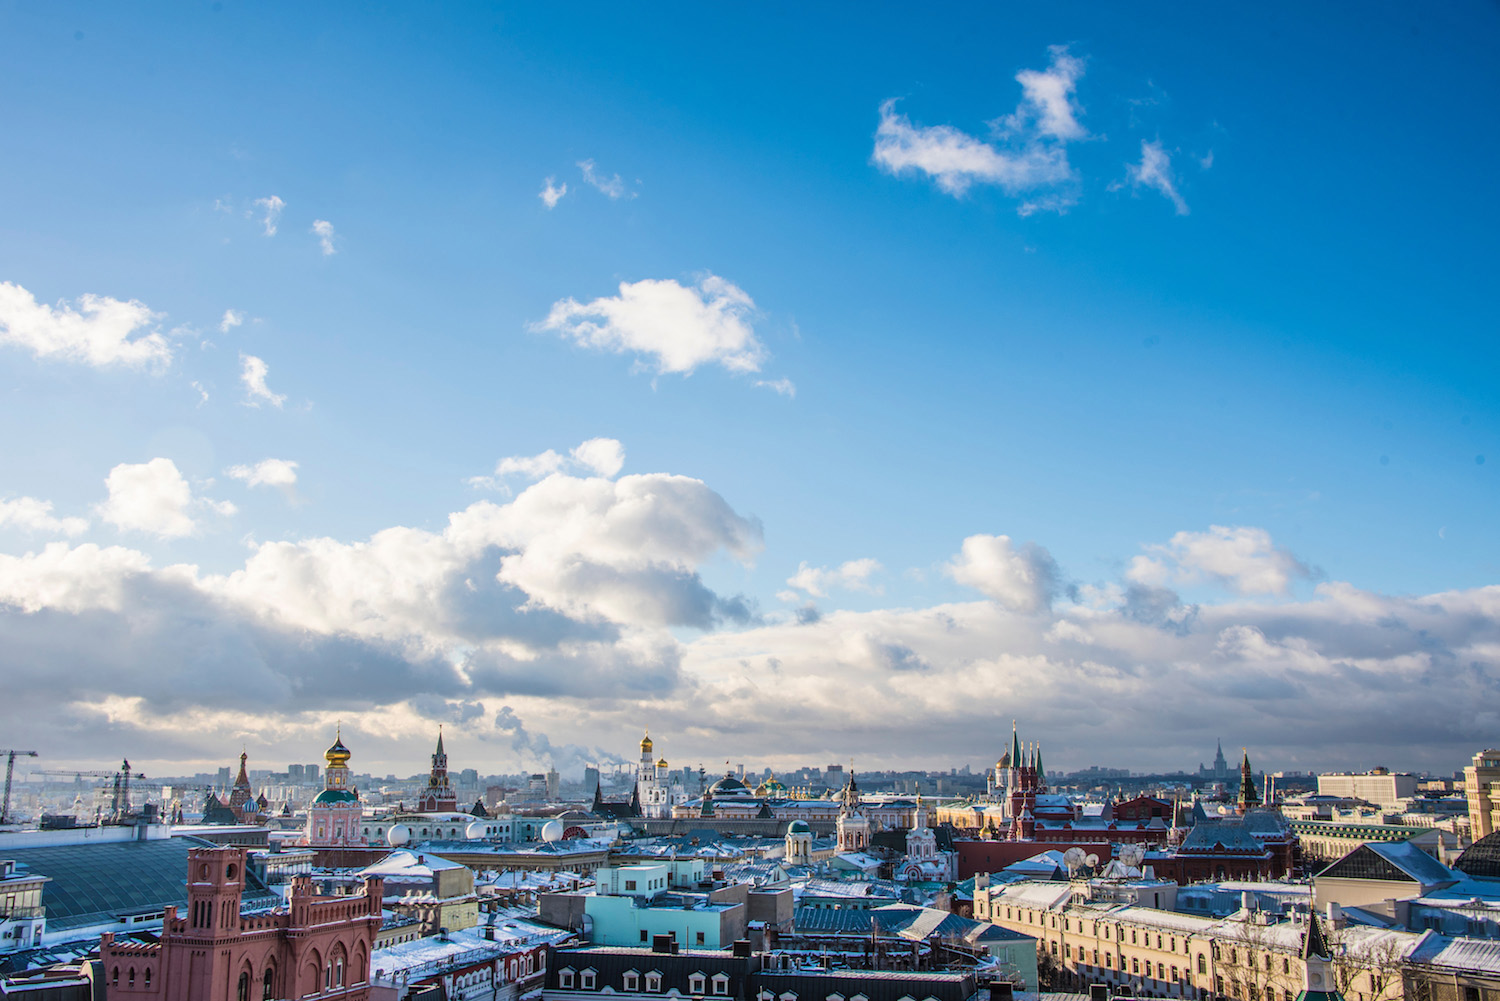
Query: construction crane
{"points": [[119, 806], [10, 771]]}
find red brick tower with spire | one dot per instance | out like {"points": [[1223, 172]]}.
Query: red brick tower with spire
{"points": [[439, 796]]}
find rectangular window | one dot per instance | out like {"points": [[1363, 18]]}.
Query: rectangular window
{"points": [[700, 938], [630, 884]]}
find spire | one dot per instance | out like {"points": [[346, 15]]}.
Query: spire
{"points": [[440, 739], [1040, 777], [1015, 746], [243, 778], [1313, 944], [1249, 795]]}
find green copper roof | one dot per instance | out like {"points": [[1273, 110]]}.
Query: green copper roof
{"points": [[336, 796]]}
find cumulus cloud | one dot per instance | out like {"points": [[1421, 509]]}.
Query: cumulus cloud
{"points": [[600, 456], [1047, 98], [232, 318], [1028, 154], [31, 515], [323, 229], [1020, 578], [1155, 171], [155, 498], [613, 186], [253, 373], [272, 206], [1241, 558], [100, 331], [781, 387], [851, 576], [552, 193], [280, 473], [674, 327], [564, 604]]}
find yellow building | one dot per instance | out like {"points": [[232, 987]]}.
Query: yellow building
{"points": [[1482, 787], [1248, 956]]}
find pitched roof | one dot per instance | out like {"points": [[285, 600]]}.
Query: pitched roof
{"points": [[1396, 861]]}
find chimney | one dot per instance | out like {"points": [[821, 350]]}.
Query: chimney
{"points": [[661, 943], [1335, 916], [1002, 990], [1098, 992], [741, 948]]}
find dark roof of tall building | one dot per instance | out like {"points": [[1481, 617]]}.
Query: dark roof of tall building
{"points": [[1214, 836], [1481, 859], [96, 882]]}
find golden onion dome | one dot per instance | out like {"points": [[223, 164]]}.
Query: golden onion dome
{"points": [[338, 754], [646, 744], [661, 763]]}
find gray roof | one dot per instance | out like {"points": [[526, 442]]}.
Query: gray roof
{"points": [[1226, 835], [98, 882]]}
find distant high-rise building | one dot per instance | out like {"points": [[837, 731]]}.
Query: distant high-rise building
{"points": [[590, 780], [223, 779], [309, 773], [294, 774], [1482, 787], [1379, 786], [554, 783]]}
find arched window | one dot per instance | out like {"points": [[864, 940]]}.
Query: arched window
{"points": [[266, 982], [114, 977], [132, 976], [242, 992], [338, 972], [147, 977]]}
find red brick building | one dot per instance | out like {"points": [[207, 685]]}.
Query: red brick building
{"points": [[316, 947]]}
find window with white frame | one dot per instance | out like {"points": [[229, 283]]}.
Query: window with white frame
{"points": [[697, 983], [565, 977], [721, 985], [586, 980], [632, 980], [653, 982]]}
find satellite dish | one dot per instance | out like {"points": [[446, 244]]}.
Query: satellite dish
{"points": [[398, 835], [552, 830], [1132, 854], [475, 831], [1092, 860], [1073, 858]]}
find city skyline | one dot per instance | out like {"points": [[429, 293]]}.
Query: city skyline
{"points": [[849, 390]]}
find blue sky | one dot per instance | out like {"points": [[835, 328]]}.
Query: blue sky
{"points": [[1193, 303]]}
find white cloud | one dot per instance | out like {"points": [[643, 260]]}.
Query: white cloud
{"points": [[202, 393], [1030, 155], [1047, 98], [155, 498], [781, 387], [232, 318], [852, 576], [273, 206], [253, 374], [600, 456], [98, 332], [677, 327], [266, 473], [604, 456], [551, 193], [324, 230], [1155, 171], [32, 515], [1241, 558], [1022, 579], [562, 605], [613, 186]]}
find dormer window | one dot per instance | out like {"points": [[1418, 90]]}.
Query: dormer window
{"points": [[565, 978], [586, 980], [632, 980], [697, 983], [721, 985], [653, 982]]}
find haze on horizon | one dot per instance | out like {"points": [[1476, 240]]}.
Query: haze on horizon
{"points": [[802, 387]]}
